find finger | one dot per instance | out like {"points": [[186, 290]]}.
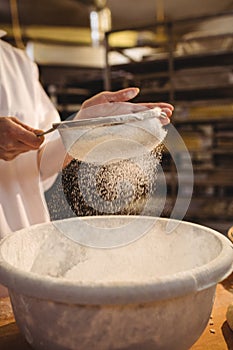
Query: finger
{"points": [[165, 107], [165, 120], [15, 147], [7, 156], [18, 122], [29, 128], [121, 95], [121, 108], [28, 138], [11, 150], [158, 104], [168, 111], [109, 96], [18, 131], [38, 133], [110, 109]]}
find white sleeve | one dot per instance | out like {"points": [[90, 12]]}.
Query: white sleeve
{"points": [[47, 112]]}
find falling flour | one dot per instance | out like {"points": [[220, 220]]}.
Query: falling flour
{"points": [[119, 186]]}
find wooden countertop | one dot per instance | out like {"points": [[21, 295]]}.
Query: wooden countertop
{"points": [[217, 335]]}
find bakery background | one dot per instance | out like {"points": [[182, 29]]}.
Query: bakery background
{"points": [[176, 51]]}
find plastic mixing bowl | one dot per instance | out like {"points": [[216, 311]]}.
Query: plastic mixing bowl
{"points": [[156, 292]]}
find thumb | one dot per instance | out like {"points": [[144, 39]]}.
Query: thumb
{"points": [[111, 96], [121, 95]]}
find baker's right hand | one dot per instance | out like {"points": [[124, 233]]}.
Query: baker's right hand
{"points": [[17, 138], [110, 103]]}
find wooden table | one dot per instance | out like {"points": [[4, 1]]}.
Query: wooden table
{"points": [[217, 335]]}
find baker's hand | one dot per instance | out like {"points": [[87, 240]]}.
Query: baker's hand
{"points": [[108, 103], [17, 138]]}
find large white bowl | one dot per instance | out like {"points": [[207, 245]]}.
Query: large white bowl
{"points": [[154, 293]]}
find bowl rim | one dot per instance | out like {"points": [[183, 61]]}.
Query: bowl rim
{"points": [[61, 290]]}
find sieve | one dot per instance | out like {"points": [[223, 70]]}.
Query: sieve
{"points": [[121, 136], [152, 113]]}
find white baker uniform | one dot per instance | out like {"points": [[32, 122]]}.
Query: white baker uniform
{"points": [[22, 201]]}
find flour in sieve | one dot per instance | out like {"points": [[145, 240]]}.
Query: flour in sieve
{"points": [[100, 144]]}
